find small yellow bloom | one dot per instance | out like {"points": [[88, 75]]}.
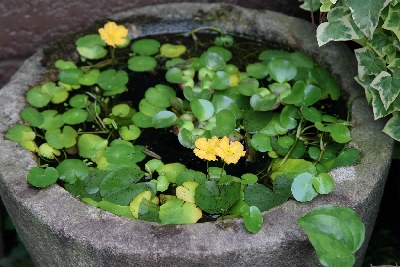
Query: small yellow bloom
{"points": [[230, 152], [113, 34], [205, 148]]}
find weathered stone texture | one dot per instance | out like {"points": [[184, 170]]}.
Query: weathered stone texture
{"points": [[26, 25]]}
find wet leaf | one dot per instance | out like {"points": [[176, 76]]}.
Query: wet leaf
{"points": [[253, 219]]}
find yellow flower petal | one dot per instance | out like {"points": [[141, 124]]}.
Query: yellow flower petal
{"points": [[205, 148], [113, 34], [230, 152]]}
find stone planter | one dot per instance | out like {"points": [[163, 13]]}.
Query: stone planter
{"points": [[59, 230]]}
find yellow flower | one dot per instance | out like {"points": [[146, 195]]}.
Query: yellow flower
{"points": [[113, 34], [205, 148], [230, 152]]}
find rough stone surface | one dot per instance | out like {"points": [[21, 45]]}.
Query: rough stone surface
{"points": [[59, 230], [27, 25]]}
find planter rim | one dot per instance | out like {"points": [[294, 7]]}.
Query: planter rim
{"points": [[98, 237]]}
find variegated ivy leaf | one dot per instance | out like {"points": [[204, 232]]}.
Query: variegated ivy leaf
{"points": [[394, 2], [366, 14], [368, 63], [378, 108], [392, 22], [379, 40], [340, 27], [396, 43], [306, 5], [389, 51], [388, 86], [366, 84], [392, 127], [326, 5], [394, 64]]}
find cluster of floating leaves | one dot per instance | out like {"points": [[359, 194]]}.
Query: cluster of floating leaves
{"points": [[213, 106]]}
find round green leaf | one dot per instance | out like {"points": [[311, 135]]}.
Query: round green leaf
{"points": [[72, 169], [171, 51], [253, 219], [59, 140], [112, 79], [142, 63], [196, 92], [312, 114], [52, 120], [119, 153], [37, 98], [89, 78], [160, 95], [163, 119], [220, 81], [39, 177], [141, 120], [174, 75], [148, 109], [222, 52], [75, 116], [323, 183], [70, 76], [79, 101], [131, 132], [261, 142], [281, 70], [221, 102], [225, 123], [212, 61], [91, 146], [257, 70], [121, 110], [91, 46], [263, 103], [20, 132], [202, 109], [248, 86], [32, 116], [177, 211], [340, 133], [302, 188], [346, 158], [146, 47]]}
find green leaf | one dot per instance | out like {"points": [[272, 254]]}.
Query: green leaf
{"points": [[176, 211], [216, 199], [163, 119], [212, 61], [302, 188], [32, 116], [392, 127], [70, 76], [112, 79], [340, 27], [120, 210], [64, 139], [366, 14], [253, 219], [340, 133], [142, 63], [261, 142], [91, 46], [262, 197], [159, 95], [37, 98], [20, 132], [335, 232], [119, 153], [52, 120], [225, 123], [130, 132], [39, 177], [323, 183], [202, 109], [75, 116], [146, 47], [346, 158], [72, 169], [387, 86], [281, 70], [392, 21], [148, 211], [91, 146], [368, 62]]}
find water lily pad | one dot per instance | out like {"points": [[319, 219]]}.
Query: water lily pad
{"points": [[91, 146], [134, 205], [216, 199], [91, 46], [225, 40], [79, 101], [121, 110], [248, 86], [186, 191], [281, 70], [65, 64], [119, 153], [89, 78], [52, 120], [261, 142], [202, 109], [171, 171], [146, 47], [142, 63], [148, 109], [220, 81], [171, 50], [196, 92], [212, 61], [39, 177], [71, 170], [148, 211], [225, 123], [75, 116], [163, 119], [112, 79], [37, 98], [64, 139], [131, 132], [160, 95], [263, 103], [176, 211], [120, 210], [141, 120], [222, 52], [45, 150], [257, 70], [32, 116], [174, 75], [70, 76]]}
